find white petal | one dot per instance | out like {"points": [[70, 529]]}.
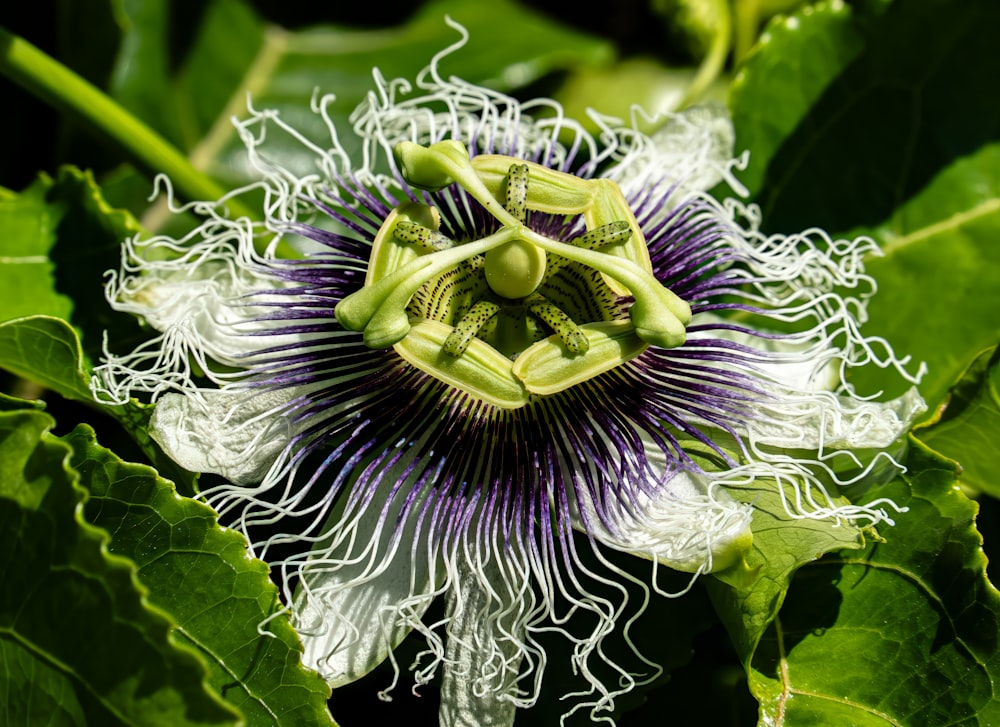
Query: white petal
{"points": [[472, 636], [684, 523], [355, 607], [207, 302], [825, 421], [234, 434]]}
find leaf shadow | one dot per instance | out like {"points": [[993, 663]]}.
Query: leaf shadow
{"points": [[86, 246], [968, 621], [811, 608], [910, 104]]}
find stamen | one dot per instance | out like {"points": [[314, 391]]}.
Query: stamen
{"points": [[609, 234], [386, 254], [410, 251], [380, 309], [562, 325], [470, 324], [517, 191], [425, 238], [659, 315], [612, 233]]}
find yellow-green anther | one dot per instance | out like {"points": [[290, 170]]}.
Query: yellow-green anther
{"points": [[551, 190], [609, 234], [544, 368], [469, 325], [562, 325], [423, 237], [481, 371], [517, 191], [387, 255]]}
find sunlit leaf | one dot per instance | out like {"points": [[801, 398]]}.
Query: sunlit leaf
{"points": [[27, 274], [968, 429], [59, 238], [77, 635], [903, 632], [939, 282], [45, 350], [748, 597], [201, 575], [872, 118]]}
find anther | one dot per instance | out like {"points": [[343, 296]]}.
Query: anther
{"points": [[423, 237], [517, 191], [562, 325], [468, 326], [609, 234]]}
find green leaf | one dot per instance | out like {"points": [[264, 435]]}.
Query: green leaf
{"points": [[795, 61], [201, 575], [60, 237], [904, 632], [180, 84], [872, 119], [27, 275], [939, 282], [968, 428], [33, 691], [748, 597], [47, 351], [510, 45], [77, 634]]}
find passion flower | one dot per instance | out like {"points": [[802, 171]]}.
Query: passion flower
{"points": [[505, 340]]}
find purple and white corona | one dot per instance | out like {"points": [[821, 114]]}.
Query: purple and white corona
{"points": [[505, 340]]}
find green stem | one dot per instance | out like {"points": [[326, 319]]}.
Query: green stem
{"points": [[48, 79]]}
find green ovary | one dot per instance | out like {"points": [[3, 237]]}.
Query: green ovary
{"points": [[515, 270]]}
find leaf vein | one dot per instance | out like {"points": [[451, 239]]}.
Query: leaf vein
{"points": [[237, 681], [922, 586], [956, 221], [848, 702]]}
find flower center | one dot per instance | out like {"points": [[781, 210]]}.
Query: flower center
{"points": [[515, 313]]}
